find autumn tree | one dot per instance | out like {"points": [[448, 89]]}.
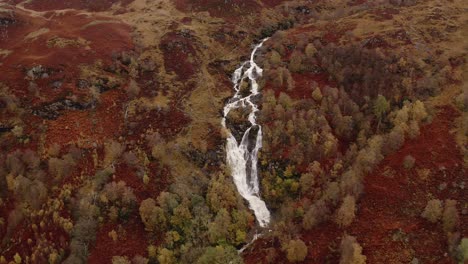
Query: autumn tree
{"points": [[166, 256], [275, 58], [296, 250], [408, 162], [132, 89], [152, 216], [462, 251], [218, 230], [433, 210], [118, 198], [331, 192], [181, 216], [120, 260], [380, 108], [310, 51], [394, 140], [450, 217], [306, 182], [112, 151], [295, 62], [220, 255], [317, 213], [346, 212], [351, 251], [221, 193], [317, 94], [59, 167], [168, 201]]}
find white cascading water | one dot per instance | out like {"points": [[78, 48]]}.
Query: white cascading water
{"points": [[238, 155]]}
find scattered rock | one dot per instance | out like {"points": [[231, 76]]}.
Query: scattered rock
{"points": [[7, 16], [52, 111]]}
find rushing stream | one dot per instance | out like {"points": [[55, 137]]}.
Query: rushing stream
{"points": [[243, 158]]}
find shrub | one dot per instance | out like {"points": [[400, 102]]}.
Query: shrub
{"points": [[220, 255], [332, 192], [271, 255], [371, 155], [84, 233], [112, 151], [30, 159], [114, 191], [295, 62], [168, 201], [351, 184], [15, 217], [408, 162], [60, 167], [152, 216], [130, 158], [418, 111], [275, 58], [450, 215], [453, 239], [346, 213], [351, 251], [306, 182], [394, 140], [32, 192], [181, 216], [13, 163], [310, 51], [281, 76], [413, 129], [85, 230], [296, 250], [380, 108], [17, 131], [152, 251], [120, 260], [133, 90], [462, 251], [140, 260], [221, 193], [433, 210], [217, 230], [153, 139], [166, 256], [317, 94], [53, 150], [17, 258], [316, 214]]}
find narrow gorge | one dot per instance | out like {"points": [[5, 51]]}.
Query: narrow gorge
{"points": [[242, 158]]}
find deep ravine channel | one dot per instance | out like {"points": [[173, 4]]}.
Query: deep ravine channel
{"points": [[242, 158]]}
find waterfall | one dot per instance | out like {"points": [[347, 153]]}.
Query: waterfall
{"points": [[241, 157]]}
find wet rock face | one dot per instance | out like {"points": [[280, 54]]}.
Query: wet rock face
{"points": [[7, 16], [237, 122], [303, 10], [211, 157], [82, 84], [256, 99], [38, 72], [53, 110], [5, 128]]}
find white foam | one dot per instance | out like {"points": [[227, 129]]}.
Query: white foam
{"points": [[238, 155]]}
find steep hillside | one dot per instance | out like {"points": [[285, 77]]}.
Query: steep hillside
{"points": [[112, 148]]}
